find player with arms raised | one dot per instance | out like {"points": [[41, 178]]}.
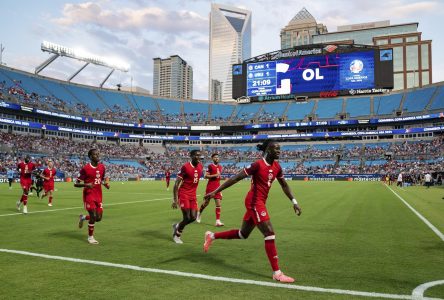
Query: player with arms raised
{"points": [[25, 169], [263, 172], [48, 175], [92, 175], [213, 175], [184, 193]]}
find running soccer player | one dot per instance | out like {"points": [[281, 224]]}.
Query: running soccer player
{"points": [[38, 181], [184, 193], [263, 172], [92, 175], [25, 169], [167, 178], [213, 175], [10, 174], [48, 175]]}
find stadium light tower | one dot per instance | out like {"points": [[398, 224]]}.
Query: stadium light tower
{"points": [[58, 50]]}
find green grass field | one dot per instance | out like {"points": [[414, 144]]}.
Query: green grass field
{"points": [[351, 236]]}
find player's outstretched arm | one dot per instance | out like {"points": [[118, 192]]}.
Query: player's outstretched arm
{"points": [[175, 191], [232, 180], [79, 184], [287, 191]]}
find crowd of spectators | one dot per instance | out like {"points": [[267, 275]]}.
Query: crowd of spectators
{"points": [[70, 155]]}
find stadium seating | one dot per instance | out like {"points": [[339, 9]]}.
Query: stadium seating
{"points": [[298, 111], [416, 101], [438, 101], [50, 94], [386, 105], [329, 108], [357, 107]]}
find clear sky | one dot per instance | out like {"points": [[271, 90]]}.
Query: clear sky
{"points": [[136, 31]]}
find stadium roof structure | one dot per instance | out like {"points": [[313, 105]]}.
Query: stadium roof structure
{"points": [[58, 50]]}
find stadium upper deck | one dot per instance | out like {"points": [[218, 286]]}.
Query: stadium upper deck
{"points": [[80, 100]]}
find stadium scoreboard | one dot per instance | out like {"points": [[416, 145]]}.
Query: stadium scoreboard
{"points": [[326, 71]]}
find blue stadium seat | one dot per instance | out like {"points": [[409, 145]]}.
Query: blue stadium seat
{"points": [[273, 110], [87, 96], [357, 107], [221, 111], [144, 102], [438, 101], [386, 105], [298, 111], [246, 112], [417, 100], [112, 98], [196, 112], [329, 108], [26, 82]]}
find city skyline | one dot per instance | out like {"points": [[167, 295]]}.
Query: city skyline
{"points": [[137, 31]]}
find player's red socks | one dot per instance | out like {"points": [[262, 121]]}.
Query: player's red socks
{"points": [[270, 248], [217, 212], [24, 199], [50, 199], [228, 235], [90, 229], [86, 217]]}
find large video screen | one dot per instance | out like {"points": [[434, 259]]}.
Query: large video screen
{"points": [[312, 74]]}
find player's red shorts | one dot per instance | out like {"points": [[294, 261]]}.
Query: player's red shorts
{"points": [[211, 188], [188, 203], [48, 186], [257, 214], [26, 183], [93, 203]]}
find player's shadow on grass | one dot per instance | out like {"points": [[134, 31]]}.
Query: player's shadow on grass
{"points": [[211, 261], [70, 234], [156, 234]]}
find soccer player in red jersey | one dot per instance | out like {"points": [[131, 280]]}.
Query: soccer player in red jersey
{"points": [[167, 178], [213, 175], [263, 172], [92, 175], [25, 170], [184, 193], [48, 175]]}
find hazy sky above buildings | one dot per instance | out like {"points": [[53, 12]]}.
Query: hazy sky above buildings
{"points": [[136, 31]]}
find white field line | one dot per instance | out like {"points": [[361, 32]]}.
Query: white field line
{"points": [[430, 225], [418, 292], [77, 207], [216, 278]]}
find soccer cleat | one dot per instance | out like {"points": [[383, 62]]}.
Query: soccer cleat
{"points": [[208, 241], [281, 277], [30, 193], [49, 204], [92, 240], [198, 218], [18, 205], [177, 239], [219, 223], [25, 209], [81, 219]]}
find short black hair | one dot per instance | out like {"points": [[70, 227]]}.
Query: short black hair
{"points": [[90, 152], [214, 154], [262, 147], [193, 152]]}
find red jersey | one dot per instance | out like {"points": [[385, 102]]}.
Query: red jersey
{"points": [[167, 174], [190, 176], [263, 175], [214, 182], [94, 175], [25, 170], [50, 174]]}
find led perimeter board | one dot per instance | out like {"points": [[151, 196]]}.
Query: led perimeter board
{"points": [[322, 71]]}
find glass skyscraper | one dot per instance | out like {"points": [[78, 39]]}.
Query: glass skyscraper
{"points": [[230, 43]]}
